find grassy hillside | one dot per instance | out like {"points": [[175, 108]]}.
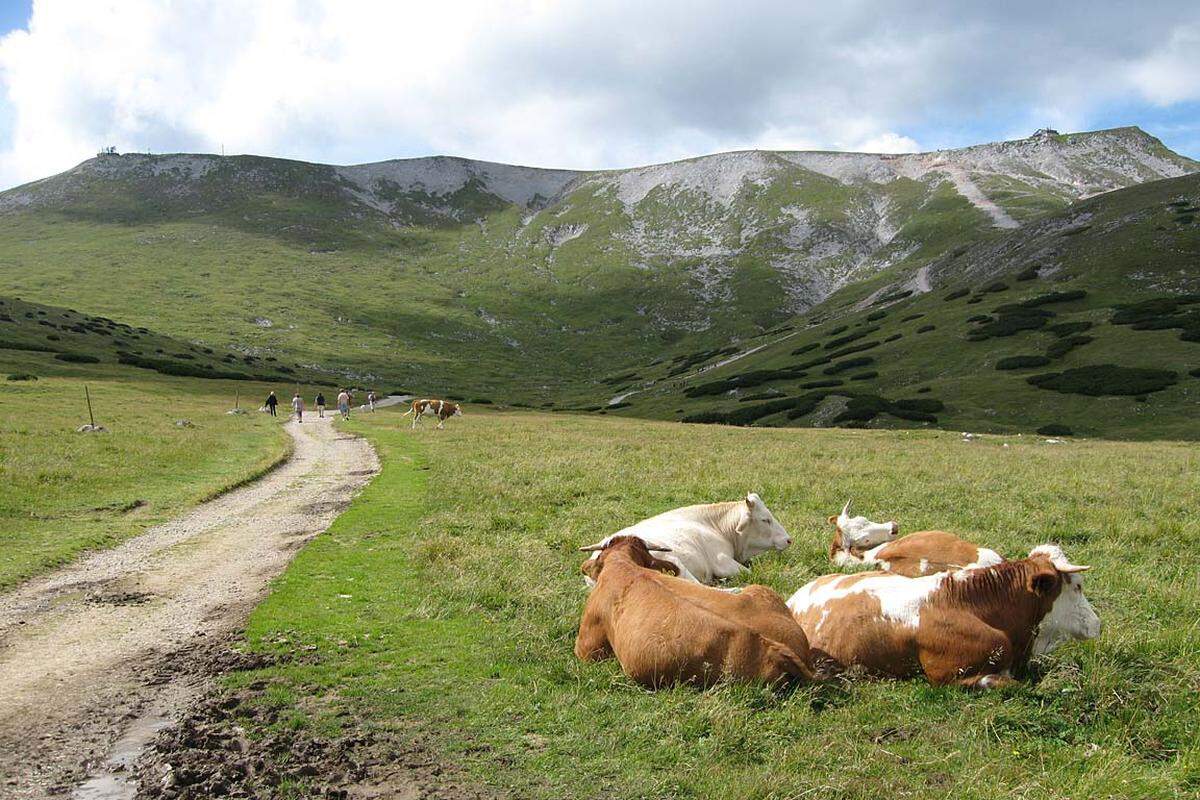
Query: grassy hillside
{"points": [[443, 604], [63, 492], [72, 337], [1088, 319], [485, 280]]}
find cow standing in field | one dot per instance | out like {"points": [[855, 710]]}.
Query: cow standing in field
{"points": [[442, 409], [970, 627], [713, 541], [857, 540], [664, 630]]}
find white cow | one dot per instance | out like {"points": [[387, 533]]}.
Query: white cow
{"points": [[713, 541]]}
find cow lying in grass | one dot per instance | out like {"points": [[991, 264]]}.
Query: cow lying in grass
{"points": [[969, 627], [713, 541], [857, 540], [664, 630]]}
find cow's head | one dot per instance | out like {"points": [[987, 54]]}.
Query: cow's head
{"points": [[759, 531], [1060, 583], [633, 548], [457, 411], [859, 533]]}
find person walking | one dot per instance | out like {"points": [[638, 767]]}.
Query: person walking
{"points": [[272, 401], [320, 403], [298, 407], [343, 403], [371, 400]]}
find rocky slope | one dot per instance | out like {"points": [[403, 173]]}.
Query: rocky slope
{"points": [[1086, 320]]}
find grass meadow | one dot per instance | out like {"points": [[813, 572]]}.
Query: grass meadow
{"points": [[444, 603], [63, 492]]}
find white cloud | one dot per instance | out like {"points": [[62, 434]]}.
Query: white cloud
{"points": [[889, 143], [579, 83], [1171, 74]]}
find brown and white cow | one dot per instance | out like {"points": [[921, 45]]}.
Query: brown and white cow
{"points": [[664, 630], [970, 627], [442, 409], [857, 540], [859, 533]]}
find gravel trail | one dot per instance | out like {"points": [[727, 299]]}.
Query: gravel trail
{"points": [[97, 655]]}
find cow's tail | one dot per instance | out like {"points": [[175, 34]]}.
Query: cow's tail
{"points": [[789, 662], [406, 413]]}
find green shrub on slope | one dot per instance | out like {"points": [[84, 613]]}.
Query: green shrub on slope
{"points": [[1022, 362], [1106, 379]]}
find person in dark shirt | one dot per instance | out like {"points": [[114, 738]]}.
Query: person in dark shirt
{"points": [[272, 401], [320, 404]]}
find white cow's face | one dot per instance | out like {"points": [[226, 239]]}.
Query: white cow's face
{"points": [[1071, 616], [761, 531], [860, 533]]}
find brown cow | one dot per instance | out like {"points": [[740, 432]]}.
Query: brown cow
{"points": [[665, 630], [857, 540], [917, 554], [972, 627], [442, 409]]}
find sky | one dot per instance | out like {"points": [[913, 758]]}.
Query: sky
{"points": [[580, 83]]}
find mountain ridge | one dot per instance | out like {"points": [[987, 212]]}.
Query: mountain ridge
{"points": [[868, 165], [460, 276]]}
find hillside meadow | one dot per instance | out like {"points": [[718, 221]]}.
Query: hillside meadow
{"points": [[444, 603], [63, 492]]}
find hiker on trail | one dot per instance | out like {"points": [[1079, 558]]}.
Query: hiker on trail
{"points": [[298, 407], [371, 400], [320, 403], [343, 401], [272, 401]]}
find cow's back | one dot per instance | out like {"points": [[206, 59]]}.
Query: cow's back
{"points": [[758, 607], [695, 544], [931, 552], [861, 620], [666, 633]]}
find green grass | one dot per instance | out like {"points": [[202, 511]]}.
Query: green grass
{"points": [[445, 602], [63, 492]]}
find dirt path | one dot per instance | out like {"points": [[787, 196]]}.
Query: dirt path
{"points": [[95, 657]]}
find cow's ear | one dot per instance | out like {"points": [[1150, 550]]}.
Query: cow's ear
{"points": [[1043, 581], [591, 568], [664, 566], [833, 519]]}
